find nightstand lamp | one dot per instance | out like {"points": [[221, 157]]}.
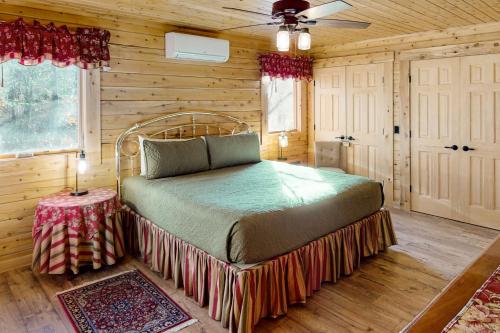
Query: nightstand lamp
{"points": [[81, 168], [283, 143]]}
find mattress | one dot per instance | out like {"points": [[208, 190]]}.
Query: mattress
{"points": [[250, 213]]}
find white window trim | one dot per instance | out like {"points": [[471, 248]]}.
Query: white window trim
{"points": [[89, 122], [298, 93], [90, 101]]}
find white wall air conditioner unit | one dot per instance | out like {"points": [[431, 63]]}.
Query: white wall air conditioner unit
{"points": [[197, 48]]}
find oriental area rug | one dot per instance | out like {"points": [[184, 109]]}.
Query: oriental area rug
{"points": [[127, 302], [482, 312]]}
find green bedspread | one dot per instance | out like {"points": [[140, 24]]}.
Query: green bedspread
{"points": [[250, 213]]}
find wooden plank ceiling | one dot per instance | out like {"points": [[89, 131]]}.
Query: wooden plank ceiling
{"points": [[388, 17]]}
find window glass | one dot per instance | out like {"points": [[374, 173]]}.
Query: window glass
{"points": [[39, 107], [281, 108]]}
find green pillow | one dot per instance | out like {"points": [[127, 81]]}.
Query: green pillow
{"points": [[174, 158], [232, 150]]}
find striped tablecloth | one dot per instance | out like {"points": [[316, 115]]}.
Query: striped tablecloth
{"points": [[69, 232]]}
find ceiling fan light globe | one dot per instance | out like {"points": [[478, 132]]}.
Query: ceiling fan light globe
{"points": [[283, 39], [304, 42]]}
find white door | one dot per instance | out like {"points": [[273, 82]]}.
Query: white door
{"points": [[480, 167], [349, 102], [365, 120], [456, 101], [329, 103], [434, 126]]}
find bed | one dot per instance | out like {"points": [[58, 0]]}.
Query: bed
{"points": [[251, 239]]}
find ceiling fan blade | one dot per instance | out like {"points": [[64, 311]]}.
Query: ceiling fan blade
{"points": [[246, 11], [345, 24], [326, 9], [252, 25]]}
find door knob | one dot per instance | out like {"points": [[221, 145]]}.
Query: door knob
{"points": [[340, 137], [452, 147], [466, 148], [350, 138]]}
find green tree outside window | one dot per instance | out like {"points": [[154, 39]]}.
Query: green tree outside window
{"points": [[39, 107]]}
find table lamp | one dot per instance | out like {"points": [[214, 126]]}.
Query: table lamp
{"points": [[81, 168], [283, 143]]}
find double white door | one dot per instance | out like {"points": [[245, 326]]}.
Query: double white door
{"points": [[455, 138], [350, 103]]}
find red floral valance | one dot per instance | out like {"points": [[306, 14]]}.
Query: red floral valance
{"points": [[283, 66], [32, 44]]}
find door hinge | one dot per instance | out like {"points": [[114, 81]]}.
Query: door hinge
{"points": [[410, 188], [314, 126], [409, 78], [383, 79], [410, 133], [314, 83]]}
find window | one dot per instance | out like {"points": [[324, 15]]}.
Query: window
{"points": [[39, 108], [282, 104]]}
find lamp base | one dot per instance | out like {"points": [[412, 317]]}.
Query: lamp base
{"points": [[79, 193]]}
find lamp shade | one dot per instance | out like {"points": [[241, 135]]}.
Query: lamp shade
{"points": [[81, 168], [82, 164], [283, 39], [283, 140], [304, 42]]}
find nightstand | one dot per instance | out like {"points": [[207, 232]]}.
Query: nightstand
{"points": [[73, 231]]}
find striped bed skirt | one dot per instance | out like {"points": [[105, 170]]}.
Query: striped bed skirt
{"points": [[239, 298]]}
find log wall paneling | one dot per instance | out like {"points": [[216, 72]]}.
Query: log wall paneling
{"points": [[141, 85]]}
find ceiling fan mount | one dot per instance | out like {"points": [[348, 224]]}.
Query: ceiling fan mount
{"points": [[283, 8]]}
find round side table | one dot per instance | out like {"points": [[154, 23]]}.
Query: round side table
{"points": [[71, 231]]}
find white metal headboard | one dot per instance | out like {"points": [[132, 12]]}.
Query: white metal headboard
{"points": [[175, 125]]}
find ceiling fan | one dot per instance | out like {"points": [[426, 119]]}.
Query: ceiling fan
{"points": [[295, 15]]}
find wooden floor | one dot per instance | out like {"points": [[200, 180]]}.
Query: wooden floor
{"points": [[383, 296]]}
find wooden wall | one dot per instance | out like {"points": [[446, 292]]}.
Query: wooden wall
{"points": [[475, 34], [141, 85]]}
